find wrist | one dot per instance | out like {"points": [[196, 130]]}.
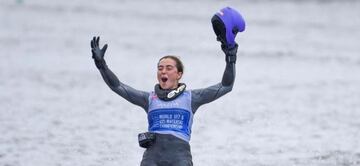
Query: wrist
{"points": [[229, 58], [100, 64], [230, 53]]}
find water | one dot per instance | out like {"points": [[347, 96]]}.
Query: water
{"points": [[295, 100]]}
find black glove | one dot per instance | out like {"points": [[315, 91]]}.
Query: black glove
{"points": [[97, 53], [230, 53]]}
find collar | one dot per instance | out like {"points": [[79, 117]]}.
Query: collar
{"points": [[169, 94]]}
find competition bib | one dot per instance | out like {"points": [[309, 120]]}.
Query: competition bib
{"points": [[174, 119]]}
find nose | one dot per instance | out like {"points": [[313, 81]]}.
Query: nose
{"points": [[163, 71]]}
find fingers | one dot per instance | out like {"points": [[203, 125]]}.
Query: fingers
{"points": [[97, 40], [95, 44], [104, 48], [92, 44], [94, 41]]}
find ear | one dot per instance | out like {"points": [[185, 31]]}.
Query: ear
{"points": [[179, 75]]}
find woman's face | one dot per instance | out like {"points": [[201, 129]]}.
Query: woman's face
{"points": [[167, 74]]}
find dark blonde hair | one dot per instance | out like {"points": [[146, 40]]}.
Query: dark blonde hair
{"points": [[179, 64]]}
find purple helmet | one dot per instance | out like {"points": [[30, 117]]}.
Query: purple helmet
{"points": [[226, 24]]}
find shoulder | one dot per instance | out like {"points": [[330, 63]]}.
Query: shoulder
{"points": [[187, 93]]}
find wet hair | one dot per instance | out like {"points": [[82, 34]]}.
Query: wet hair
{"points": [[179, 64]]}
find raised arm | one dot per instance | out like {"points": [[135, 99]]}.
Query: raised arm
{"points": [[132, 95], [209, 94]]}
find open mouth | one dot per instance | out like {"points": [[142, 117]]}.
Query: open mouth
{"points": [[164, 79]]}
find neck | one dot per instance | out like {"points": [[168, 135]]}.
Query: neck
{"points": [[173, 87], [169, 94]]}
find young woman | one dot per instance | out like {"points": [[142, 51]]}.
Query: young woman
{"points": [[170, 107]]}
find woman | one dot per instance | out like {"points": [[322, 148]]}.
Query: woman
{"points": [[170, 107]]}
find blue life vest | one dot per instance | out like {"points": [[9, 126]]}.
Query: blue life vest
{"points": [[171, 117]]}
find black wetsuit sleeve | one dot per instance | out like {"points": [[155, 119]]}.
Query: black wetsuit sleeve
{"points": [[132, 95], [209, 94]]}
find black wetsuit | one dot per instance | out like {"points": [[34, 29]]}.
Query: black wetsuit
{"points": [[168, 149]]}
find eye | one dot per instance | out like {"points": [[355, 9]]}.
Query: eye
{"points": [[169, 67]]}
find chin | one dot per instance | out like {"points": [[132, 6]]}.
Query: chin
{"points": [[166, 85]]}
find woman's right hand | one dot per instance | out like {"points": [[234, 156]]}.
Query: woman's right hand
{"points": [[97, 53]]}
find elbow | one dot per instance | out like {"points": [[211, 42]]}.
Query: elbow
{"points": [[230, 88], [113, 83], [116, 89], [228, 82], [227, 88], [113, 88]]}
